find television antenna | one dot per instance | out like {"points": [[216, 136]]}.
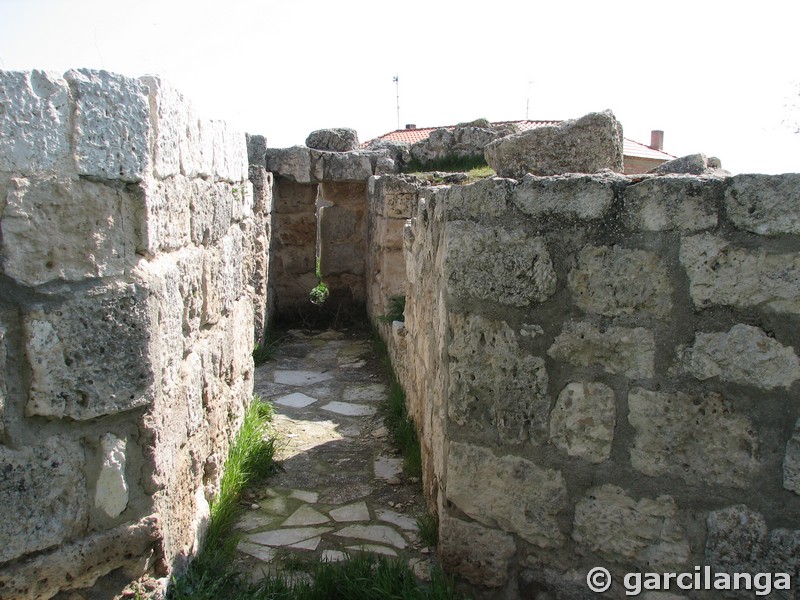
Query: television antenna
{"points": [[396, 80], [528, 101]]}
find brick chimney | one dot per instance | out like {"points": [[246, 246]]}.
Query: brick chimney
{"points": [[411, 126], [657, 139]]}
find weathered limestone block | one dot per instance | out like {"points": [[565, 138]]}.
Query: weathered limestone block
{"points": [[169, 115], [673, 203], [739, 541], [66, 229], [341, 166], [256, 149], [791, 462], [342, 258], [211, 207], [494, 384], [691, 164], [230, 152], [298, 229], [80, 564], [485, 198], [112, 125], [463, 140], [497, 264], [389, 235], [111, 491], [197, 147], [586, 145], [697, 439], [612, 524], [583, 420], [720, 273], [616, 281], [396, 196], [290, 197], [337, 139], [168, 218], [744, 355], [292, 163], [765, 204], [617, 350], [34, 122], [737, 538], [570, 196], [507, 492], [90, 356], [43, 495], [340, 224], [479, 555]]}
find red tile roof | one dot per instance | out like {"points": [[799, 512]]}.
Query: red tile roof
{"points": [[412, 136]]}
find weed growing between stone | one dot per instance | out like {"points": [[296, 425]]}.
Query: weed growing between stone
{"points": [[395, 310], [449, 164], [362, 577], [399, 423], [429, 529], [265, 351], [250, 460]]}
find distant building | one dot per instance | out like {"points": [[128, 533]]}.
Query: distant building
{"points": [[638, 157]]}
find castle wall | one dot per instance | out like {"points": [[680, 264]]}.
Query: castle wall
{"points": [[604, 372], [131, 249]]}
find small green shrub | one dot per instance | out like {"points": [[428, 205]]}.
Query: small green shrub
{"points": [[319, 294], [395, 310]]}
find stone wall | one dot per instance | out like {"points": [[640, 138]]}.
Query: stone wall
{"points": [[306, 178], [604, 372], [133, 255]]}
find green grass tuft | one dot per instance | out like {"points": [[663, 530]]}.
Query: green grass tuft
{"points": [[250, 460], [397, 420], [429, 529]]}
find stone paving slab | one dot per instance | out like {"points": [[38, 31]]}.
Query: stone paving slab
{"points": [[341, 489]]}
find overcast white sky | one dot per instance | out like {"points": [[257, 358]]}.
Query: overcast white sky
{"points": [[715, 76]]}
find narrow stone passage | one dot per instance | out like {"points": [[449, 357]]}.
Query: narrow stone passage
{"points": [[341, 488]]}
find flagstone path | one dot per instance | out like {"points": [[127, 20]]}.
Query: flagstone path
{"points": [[341, 488]]}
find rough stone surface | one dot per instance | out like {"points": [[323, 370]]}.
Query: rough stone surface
{"points": [[43, 494], [616, 281], [292, 163], [339, 139], [765, 204], [463, 140], [479, 555], [79, 564], [586, 145], [38, 141], [744, 355], [507, 492], [111, 492], [90, 357], [647, 531], [691, 164], [256, 149], [496, 264], [66, 229], [791, 462], [570, 196], [617, 350], [672, 204], [723, 274], [495, 385], [583, 420], [737, 538], [112, 125], [3, 387], [485, 198], [348, 166], [697, 439]]}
